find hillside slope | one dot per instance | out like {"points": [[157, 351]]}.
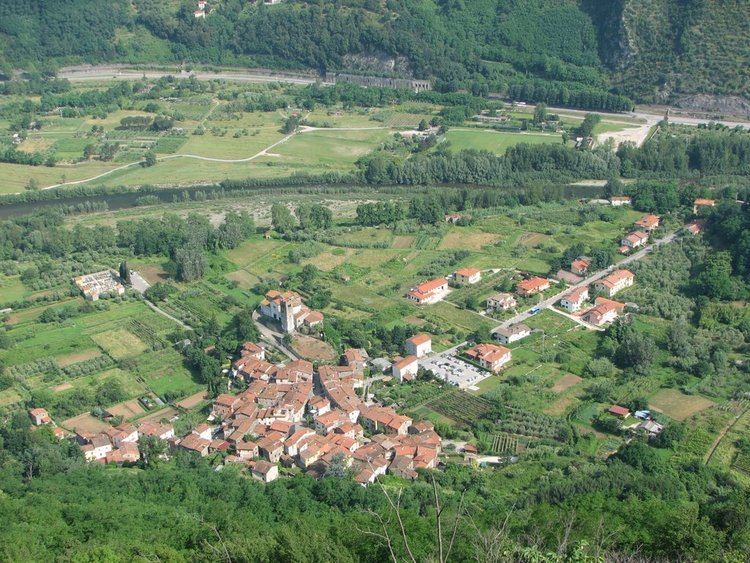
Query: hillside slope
{"points": [[660, 49], [568, 52]]}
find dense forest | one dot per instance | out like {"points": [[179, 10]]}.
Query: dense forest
{"points": [[542, 50]]}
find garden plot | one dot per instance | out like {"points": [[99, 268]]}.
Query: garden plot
{"points": [[678, 406], [119, 343]]}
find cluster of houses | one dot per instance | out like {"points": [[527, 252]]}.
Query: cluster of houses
{"points": [[639, 237], [291, 415], [311, 418], [116, 445], [605, 310], [433, 291]]}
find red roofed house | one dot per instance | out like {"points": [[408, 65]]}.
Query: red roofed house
{"points": [[489, 356], [580, 266], [156, 429], [605, 311], [429, 292], [695, 227], [270, 449], [127, 453], [225, 405], [419, 345], [467, 276], [246, 450], [532, 286], [618, 411], [614, 282], [702, 203], [39, 416], [574, 300], [648, 222], [97, 448], [406, 369], [356, 358], [634, 239], [194, 443]]}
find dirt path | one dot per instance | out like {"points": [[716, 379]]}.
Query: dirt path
{"points": [[264, 152], [720, 437]]}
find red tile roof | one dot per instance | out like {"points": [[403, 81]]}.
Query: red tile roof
{"points": [[418, 339]]}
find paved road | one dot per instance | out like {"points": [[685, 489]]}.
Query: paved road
{"points": [[84, 73], [139, 283], [520, 317], [117, 72], [273, 337]]}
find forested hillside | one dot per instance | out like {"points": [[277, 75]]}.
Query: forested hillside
{"points": [[660, 47], [583, 53]]}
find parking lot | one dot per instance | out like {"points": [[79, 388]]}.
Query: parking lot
{"points": [[454, 370]]}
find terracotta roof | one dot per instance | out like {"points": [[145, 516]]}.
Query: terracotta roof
{"points": [[702, 201], [648, 221], [468, 272], [419, 339], [618, 410], [616, 276], [577, 295], [430, 286], [581, 263], [489, 353], [407, 361], [533, 284]]}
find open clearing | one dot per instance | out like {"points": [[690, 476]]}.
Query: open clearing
{"points": [[677, 405], [566, 382], [76, 357], [313, 349], [119, 343], [495, 141], [193, 400], [85, 423], [471, 241], [127, 410]]}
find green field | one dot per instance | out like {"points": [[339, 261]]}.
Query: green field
{"points": [[494, 141]]}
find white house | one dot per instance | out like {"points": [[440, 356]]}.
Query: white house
{"points": [[265, 471], [429, 292], [501, 302], [513, 333], [419, 345], [635, 239], [467, 276], [574, 300], [614, 282], [406, 369]]}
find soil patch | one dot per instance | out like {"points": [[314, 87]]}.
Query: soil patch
{"points": [[313, 349], [76, 357], [193, 400], [127, 410], [85, 423], [566, 382]]}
